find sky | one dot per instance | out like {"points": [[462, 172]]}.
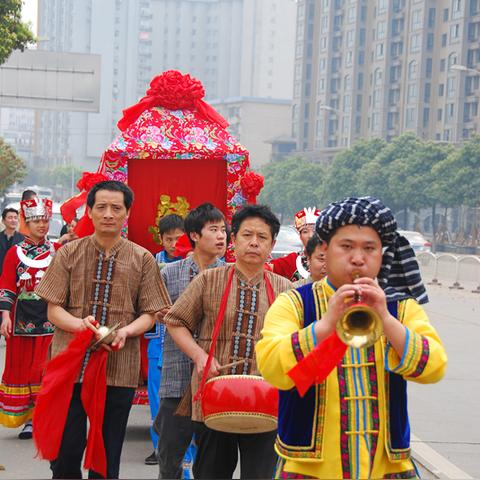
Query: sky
{"points": [[29, 13]]}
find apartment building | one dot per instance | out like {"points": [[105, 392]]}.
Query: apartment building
{"points": [[379, 68]]}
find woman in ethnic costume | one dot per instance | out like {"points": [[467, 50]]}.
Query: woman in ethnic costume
{"points": [[24, 318]]}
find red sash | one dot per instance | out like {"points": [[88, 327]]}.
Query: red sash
{"points": [[53, 401]]}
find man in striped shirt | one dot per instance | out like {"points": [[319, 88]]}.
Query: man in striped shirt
{"points": [[206, 229], [249, 288], [107, 279]]}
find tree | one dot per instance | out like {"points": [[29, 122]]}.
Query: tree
{"points": [[291, 185], [375, 176], [341, 179], [12, 167], [14, 33]]}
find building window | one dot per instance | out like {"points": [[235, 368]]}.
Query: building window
{"points": [[412, 70], [430, 40], [350, 38], [411, 93], [445, 14], [349, 58], [347, 103], [323, 43], [450, 87], [474, 7], [359, 103], [452, 60], [377, 77], [362, 37], [442, 64], [428, 68], [427, 92], [426, 117], [360, 81], [415, 43], [471, 84], [347, 82], [324, 24], [416, 19], [393, 97], [336, 64], [397, 26], [456, 8], [382, 6], [352, 14], [379, 50], [440, 89], [381, 30], [410, 117], [454, 33], [449, 111], [431, 17]]}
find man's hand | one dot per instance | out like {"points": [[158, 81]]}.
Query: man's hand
{"points": [[118, 343], [6, 328], [200, 362], [160, 315], [373, 295]]}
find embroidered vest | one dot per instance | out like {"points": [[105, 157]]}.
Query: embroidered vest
{"points": [[301, 419]]}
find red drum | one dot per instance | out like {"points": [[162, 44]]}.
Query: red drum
{"points": [[240, 404]]}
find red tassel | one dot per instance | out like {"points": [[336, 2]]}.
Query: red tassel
{"points": [[207, 112], [131, 113], [317, 365], [94, 392], [53, 401], [183, 246], [70, 206], [84, 227]]}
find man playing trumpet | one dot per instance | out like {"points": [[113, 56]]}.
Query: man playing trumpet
{"points": [[342, 410]]}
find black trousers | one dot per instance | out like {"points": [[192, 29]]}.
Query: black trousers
{"points": [[117, 408], [217, 453], [174, 436]]}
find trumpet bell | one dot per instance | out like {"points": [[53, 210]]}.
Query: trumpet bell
{"points": [[360, 326]]}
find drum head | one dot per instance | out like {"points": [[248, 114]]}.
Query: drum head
{"points": [[241, 422]]}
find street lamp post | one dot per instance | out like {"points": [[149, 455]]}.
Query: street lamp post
{"points": [[464, 68]]}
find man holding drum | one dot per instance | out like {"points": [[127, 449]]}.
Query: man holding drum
{"points": [[227, 306], [342, 410]]}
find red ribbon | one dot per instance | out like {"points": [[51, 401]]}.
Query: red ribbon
{"points": [[315, 367], [53, 401], [174, 91], [183, 246], [218, 325]]}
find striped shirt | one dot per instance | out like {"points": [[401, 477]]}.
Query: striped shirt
{"points": [[114, 289], [177, 367], [197, 309]]}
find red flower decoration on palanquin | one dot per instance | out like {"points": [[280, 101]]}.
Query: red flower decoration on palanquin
{"points": [[88, 180], [174, 91], [251, 183]]}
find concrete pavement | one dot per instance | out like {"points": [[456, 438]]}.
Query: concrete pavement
{"points": [[445, 417]]}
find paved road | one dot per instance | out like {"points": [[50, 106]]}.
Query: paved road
{"points": [[445, 417]]}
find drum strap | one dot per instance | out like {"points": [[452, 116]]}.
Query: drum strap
{"points": [[218, 325]]}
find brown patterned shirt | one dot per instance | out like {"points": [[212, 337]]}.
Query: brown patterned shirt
{"points": [[197, 309], [114, 289]]}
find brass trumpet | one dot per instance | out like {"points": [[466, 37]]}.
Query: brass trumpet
{"points": [[360, 325]]}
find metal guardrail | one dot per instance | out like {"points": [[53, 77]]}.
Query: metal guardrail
{"points": [[458, 260]]}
